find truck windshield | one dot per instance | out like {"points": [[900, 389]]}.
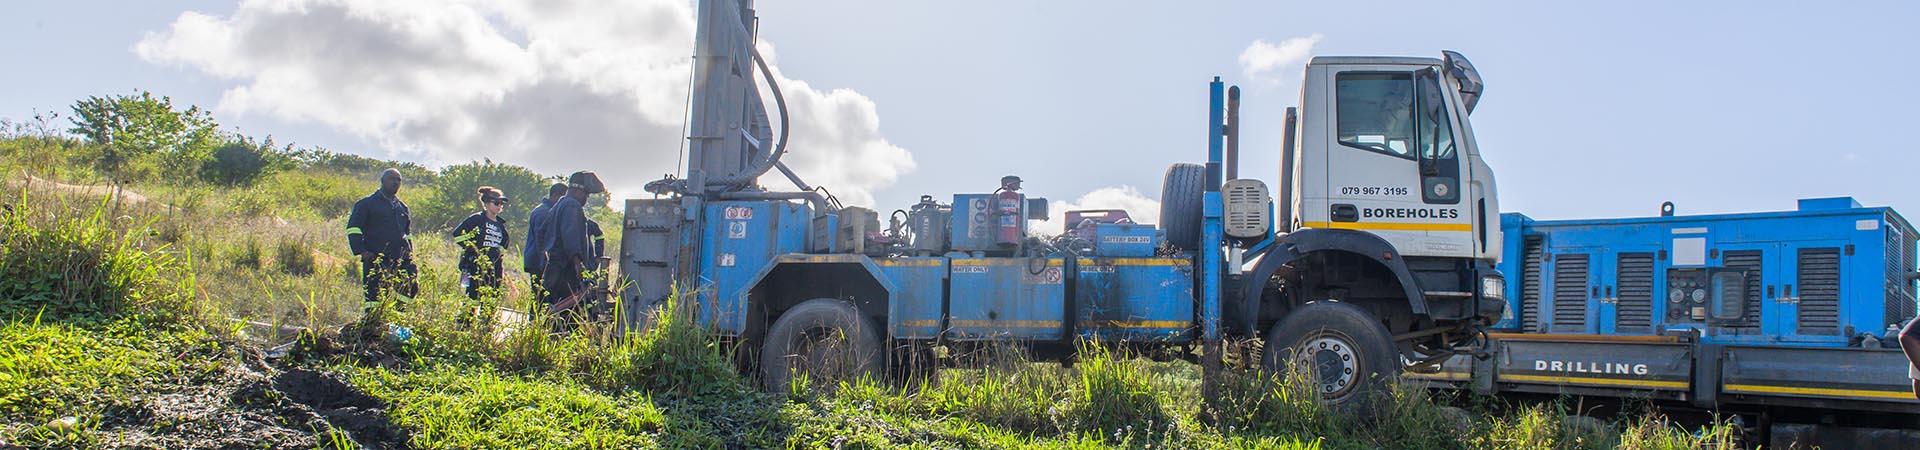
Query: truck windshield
{"points": [[1375, 111]]}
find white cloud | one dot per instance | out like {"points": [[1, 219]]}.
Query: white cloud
{"points": [[1138, 206], [1264, 60], [556, 85]]}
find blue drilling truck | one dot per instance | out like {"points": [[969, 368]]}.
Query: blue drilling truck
{"points": [[1786, 320], [1377, 254]]}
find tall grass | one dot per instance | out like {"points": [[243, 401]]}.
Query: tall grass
{"points": [[65, 262]]}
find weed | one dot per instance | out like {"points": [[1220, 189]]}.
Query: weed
{"points": [[294, 257]]}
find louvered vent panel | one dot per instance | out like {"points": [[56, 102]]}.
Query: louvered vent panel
{"points": [[1532, 258], [1634, 313], [1750, 261], [1569, 293], [1900, 262], [1819, 290]]}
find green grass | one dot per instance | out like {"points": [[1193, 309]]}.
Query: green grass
{"points": [[448, 407], [149, 310]]}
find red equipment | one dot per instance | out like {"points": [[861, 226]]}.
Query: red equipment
{"points": [[1006, 205]]}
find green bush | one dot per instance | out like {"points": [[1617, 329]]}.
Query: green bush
{"points": [[73, 265], [241, 161], [294, 257], [452, 196], [247, 255]]}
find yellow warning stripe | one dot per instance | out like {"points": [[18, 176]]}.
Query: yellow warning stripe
{"points": [[1060, 262], [1140, 323], [1824, 392], [1391, 226], [1449, 376], [1006, 323], [1149, 262], [1595, 381], [907, 262], [1049, 323]]}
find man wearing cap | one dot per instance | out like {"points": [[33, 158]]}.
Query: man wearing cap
{"points": [[569, 248], [533, 255], [377, 232]]}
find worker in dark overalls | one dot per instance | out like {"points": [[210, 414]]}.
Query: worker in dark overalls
{"points": [[481, 237], [568, 245], [377, 232], [533, 255]]}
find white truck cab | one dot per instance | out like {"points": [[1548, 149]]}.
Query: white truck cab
{"points": [[1386, 148]]}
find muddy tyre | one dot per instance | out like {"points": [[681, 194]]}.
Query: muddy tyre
{"points": [[1181, 193], [826, 341], [1344, 352]]}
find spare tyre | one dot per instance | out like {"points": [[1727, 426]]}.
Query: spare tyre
{"points": [[1180, 197]]}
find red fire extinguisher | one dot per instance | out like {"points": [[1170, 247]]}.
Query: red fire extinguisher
{"points": [[1007, 204]]}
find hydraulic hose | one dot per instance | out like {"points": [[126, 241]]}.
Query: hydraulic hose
{"points": [[779, 148]]}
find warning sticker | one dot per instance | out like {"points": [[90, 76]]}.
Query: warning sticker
{"points": [[736, 230], [1049, 276]]}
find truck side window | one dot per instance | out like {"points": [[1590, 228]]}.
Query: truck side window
{"points": [[1440, 174], [1375, 111], [1436, 132]]}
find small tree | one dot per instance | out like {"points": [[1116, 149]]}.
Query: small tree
{"points": [[126, 129], [241, 160], [452, 193]]}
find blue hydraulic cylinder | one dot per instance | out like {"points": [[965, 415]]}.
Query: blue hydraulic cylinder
{"points": [[1216, 127], [1211, 233]]}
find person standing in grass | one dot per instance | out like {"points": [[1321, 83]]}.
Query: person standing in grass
{"points": [[378, 232], [568, 247], [481, 237], [533, 256]]}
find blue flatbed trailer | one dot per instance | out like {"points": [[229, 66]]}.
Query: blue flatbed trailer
{"points": [[1783, 316]]}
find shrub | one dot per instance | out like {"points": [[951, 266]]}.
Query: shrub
{"points": [[249, 203], [247, 255], [451, 196], [67, 265], [294, 257], [241, 161]]}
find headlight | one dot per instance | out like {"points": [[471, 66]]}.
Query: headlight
{"points": [[1493, 287]]}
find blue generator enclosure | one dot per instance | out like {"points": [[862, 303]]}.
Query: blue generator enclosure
{"points": [[1821, 275]]}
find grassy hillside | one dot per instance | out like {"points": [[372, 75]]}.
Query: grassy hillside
{"points": [[148, 319]]}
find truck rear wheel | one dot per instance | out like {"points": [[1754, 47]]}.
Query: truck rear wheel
{"points": [[824, 340], [1344, 353], [1180, 196]]}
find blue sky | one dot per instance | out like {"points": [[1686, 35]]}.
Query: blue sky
{"points": [[1591, 110]]}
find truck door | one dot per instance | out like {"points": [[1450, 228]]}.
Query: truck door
{"points": [[1394, 167]]}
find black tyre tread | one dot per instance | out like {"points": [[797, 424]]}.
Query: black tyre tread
{"points": [[776, 368], [1181, 193], [1380, 364]]}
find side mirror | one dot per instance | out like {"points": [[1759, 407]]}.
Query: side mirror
{"points": [[1729, 295]]}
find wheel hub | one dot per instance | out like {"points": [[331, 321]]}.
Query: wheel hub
{"points": [[1330, 362]]}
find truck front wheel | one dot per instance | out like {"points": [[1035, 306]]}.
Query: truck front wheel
{"points": [[1342, 351], [824, 341]]}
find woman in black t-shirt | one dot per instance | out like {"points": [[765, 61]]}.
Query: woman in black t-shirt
{"points": [[481, 238]]}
